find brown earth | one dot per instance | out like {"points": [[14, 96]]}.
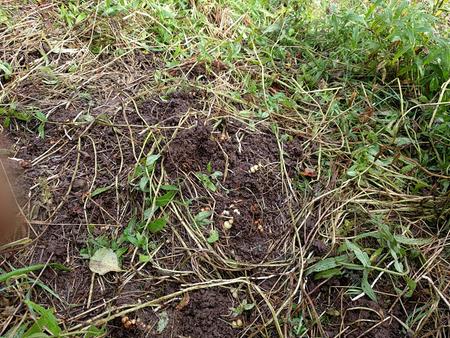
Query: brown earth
{"points": [[64, 218]]}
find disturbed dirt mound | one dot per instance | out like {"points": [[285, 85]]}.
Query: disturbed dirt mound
{"points": [[206, 315], [166, 110], [71, 162], [202, 313], [191, 151], [63, 172], [251, 188]]}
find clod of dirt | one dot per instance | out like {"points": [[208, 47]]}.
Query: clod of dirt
{"points": [[206, 315]]}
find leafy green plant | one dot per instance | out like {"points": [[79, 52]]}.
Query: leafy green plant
{"points": [[203, 218], [72, 14], [385, 39], [5, 69], [242, 307], [45, 324], [11, 112], [115, 7], [45, 321], [209, 180], [213, 236], [42, 118], [391, 247], [298, 326]]}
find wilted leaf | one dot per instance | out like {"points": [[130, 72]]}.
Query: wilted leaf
{"points": [[184, 302], [103, 261], [412, 241], [308, 172]]}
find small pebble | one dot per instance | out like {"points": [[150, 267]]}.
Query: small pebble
{"points": [[236, 323], [255, 168], [227, 225]]}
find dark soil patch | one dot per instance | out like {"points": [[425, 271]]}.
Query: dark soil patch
{"points": [[65, 217], [58, 186], [201, 314], [166, 110], [362, 317], [85, 157], [255, 200]]}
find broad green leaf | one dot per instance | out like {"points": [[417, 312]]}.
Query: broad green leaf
{"points": [[144, 258], [213, 236], [47, 320], [40, 116], [165, 199], [210, 185], [366, 287], [143, 183], [93, 332], [202, 218], [328, 263], [103, 261], [157, 225], [99, 191], [328, 273], [6, 69], [401, 141], [361, 255], [41, 130], [148, 213], [412, 284], [169, 187], [80, 17], [412, 241], [151, 159]]}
